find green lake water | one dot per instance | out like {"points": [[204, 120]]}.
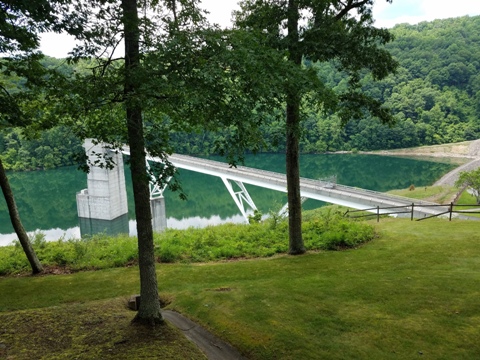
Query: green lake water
{"points": [[46, 199]]}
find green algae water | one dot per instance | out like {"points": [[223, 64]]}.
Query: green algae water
{"points": [[47, 199]]}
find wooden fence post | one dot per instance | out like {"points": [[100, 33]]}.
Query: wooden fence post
{"points": [[411, 217], [451, 210], [378, 213]]}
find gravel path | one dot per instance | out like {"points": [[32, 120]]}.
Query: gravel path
{"points": [[452, 176]]}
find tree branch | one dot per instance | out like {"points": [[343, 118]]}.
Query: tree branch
{"points": [[349, 6]]}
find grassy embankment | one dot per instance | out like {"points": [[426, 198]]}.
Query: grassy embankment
{"points": [[323, 229], [411, 292], [437, 194], [442, 195]]}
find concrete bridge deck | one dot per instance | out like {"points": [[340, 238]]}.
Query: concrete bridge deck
{"points": [[309, 188]]}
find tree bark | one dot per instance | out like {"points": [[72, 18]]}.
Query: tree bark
{"points": [[149, 311], [296, 245], [17, 223], [293, 180]]}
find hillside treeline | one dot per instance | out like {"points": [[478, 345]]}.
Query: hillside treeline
{"points": [[434, 97]]}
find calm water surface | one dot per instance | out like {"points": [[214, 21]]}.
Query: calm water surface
{"points": [[46, 199]]}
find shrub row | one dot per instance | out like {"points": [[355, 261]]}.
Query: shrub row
{"points": [[325, 230]]}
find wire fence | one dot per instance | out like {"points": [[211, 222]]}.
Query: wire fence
{"points": [[450, 209]]}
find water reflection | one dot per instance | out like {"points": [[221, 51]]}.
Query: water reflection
{"points": [[89, 227], [46, 199], [131, 228], [50, 235]]}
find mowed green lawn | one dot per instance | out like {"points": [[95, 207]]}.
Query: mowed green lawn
{"points": [[413, 292]]}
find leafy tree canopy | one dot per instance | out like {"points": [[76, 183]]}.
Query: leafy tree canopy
{"points": [[341, 33], [429, 108], [20, 23], [470, 179]]}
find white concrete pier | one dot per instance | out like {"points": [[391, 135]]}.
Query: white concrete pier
{"points": [[159, 214], [106, 195]]}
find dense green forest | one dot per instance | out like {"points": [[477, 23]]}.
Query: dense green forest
{"points": [[434, 97]]}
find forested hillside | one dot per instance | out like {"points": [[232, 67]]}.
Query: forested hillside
{"points": [[434, 96]]}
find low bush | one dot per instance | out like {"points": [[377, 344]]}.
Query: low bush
{"points": [[97, 252], [324, 230], [331, 231]]}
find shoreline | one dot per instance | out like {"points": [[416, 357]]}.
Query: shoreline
{"points": [[467, 150], [466, 154], [437, 157]]}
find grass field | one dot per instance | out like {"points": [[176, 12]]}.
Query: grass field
{"points": [[413, 292], [438, 194]]}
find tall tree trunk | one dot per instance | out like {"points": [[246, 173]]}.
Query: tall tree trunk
{"points": [[17, 223], [149, 311], [293, 179], [293, 133]]}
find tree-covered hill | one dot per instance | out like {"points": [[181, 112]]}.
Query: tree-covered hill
{"points": [[434, 96]]}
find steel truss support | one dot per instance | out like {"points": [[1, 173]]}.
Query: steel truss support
{"points": [[284, 210], [241, 197], [156, 191]]}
